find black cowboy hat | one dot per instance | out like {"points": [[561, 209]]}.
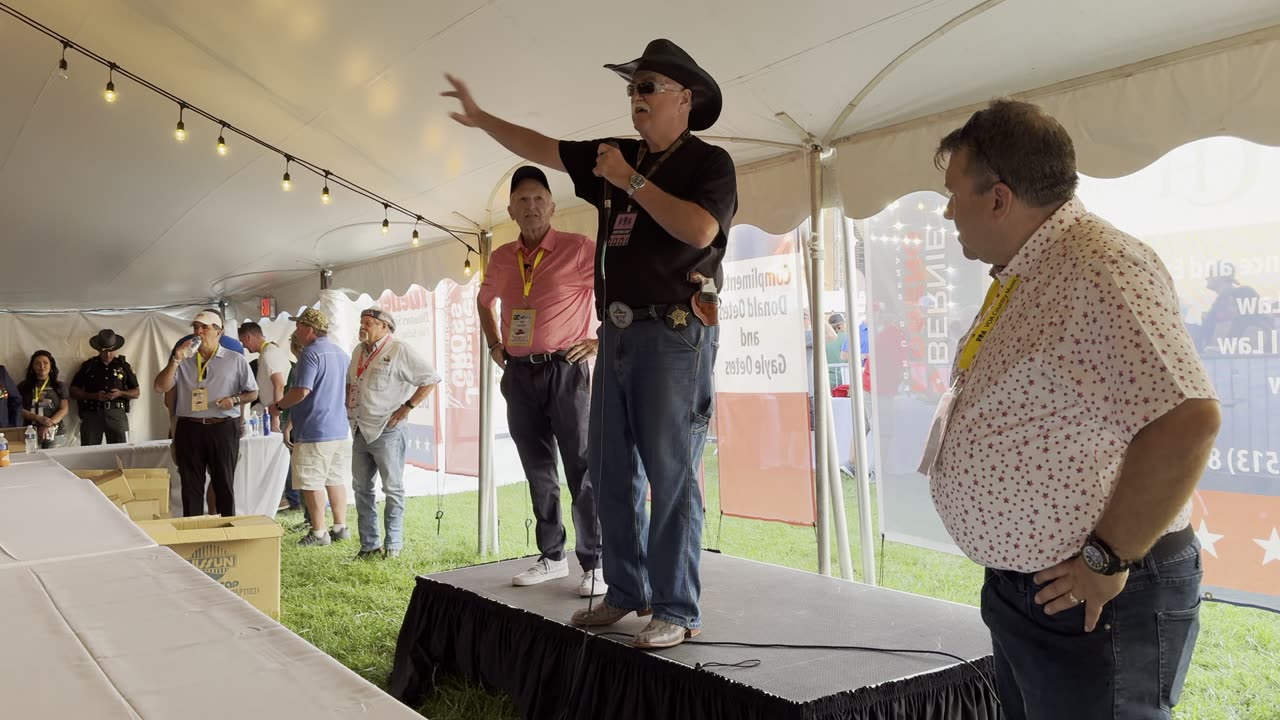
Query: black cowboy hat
{"points": [[106, 340], [665, 57]]}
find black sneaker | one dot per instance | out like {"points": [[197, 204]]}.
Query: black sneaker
{"points": [[369, 554], [312, 539], [343, 534]]}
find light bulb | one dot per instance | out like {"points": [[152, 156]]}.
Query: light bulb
{"points": [[62, 68], [416, 241], [222, 145], [180, 132], [285, 183], [466, 267], [386, 226], [110, 93], [324, 195]]}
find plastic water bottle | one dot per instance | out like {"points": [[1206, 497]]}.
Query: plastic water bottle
{"points": [[30, 436], [4, 451], [253, 425]]}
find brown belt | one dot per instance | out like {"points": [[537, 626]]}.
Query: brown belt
{"points": [[205, 421]]}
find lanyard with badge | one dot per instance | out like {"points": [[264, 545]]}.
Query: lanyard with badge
{"points": [[993, 305], [199, 394], [39, 396], [625, 221], [520, 331], [353, 389]]}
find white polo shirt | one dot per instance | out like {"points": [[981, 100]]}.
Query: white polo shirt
{"points": [[272, 359], [391, 374]]}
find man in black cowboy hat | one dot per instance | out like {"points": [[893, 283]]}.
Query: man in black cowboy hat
{"points": [[104, 386], [666, 202]]}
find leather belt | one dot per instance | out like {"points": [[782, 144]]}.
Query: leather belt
{"points": [[91, 405], [1171, 544], [536, 359], [205, 420]]}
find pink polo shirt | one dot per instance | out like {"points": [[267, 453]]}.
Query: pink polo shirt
{"points": [[562, 292]]}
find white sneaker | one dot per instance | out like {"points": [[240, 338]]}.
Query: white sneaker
{"points": [[542, 571], [586, 588]]}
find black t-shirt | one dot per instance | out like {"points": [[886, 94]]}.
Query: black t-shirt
{"points": [[94, 377], [652, 267]]}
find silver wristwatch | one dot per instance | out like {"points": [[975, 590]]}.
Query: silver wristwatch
{"points": [[637, 182]]}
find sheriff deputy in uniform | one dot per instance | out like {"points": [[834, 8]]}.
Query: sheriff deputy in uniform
{"points": [[666, 202], [103, 388]]}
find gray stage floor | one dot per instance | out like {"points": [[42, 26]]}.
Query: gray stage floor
{"points": [[746, 601]]}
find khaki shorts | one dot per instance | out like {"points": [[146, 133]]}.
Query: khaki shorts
{"points": [[319, 464]]}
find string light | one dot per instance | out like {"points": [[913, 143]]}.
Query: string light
{"points": [[466, 265], [416, 241], [110, 93], [62, 64]]}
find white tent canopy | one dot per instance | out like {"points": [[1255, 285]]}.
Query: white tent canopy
{"points": [[116, 213]]}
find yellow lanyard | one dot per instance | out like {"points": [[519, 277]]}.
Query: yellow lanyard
{"points": [[528, 280], [35, 399], [996, 301], [202, 366]]}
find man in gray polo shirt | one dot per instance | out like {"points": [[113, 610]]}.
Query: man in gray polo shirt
{"points": [[210, 384]]}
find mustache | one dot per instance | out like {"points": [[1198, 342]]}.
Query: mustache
{"points": [[640, 105]]}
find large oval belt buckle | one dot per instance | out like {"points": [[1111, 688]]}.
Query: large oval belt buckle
{"points": [[620, 315]]}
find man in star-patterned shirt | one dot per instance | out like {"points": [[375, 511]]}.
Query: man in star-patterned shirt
{"points": [[1078, 423]]}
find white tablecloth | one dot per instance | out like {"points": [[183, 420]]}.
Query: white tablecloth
{"points": [[259, 479]]}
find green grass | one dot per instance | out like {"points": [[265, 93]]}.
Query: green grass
{"points": [[353, 610]]}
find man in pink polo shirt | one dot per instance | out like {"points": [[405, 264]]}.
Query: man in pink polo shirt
{"points": [[544, 283]]}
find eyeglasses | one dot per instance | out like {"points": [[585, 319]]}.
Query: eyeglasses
{"points": [[649, 87]]}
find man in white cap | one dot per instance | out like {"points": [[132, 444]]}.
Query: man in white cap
{"points": [[666, 203], [210, 384], [386, 380]]}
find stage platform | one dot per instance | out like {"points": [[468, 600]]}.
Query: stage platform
{"points": [[518, 641]]}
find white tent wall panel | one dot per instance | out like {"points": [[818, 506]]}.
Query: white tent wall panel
{"points": [[149, 336]]}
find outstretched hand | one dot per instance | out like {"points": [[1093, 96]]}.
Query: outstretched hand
{"points": [[471, 112]]}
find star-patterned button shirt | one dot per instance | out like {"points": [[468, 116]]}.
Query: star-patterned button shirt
{"points": [[1089, 349]]}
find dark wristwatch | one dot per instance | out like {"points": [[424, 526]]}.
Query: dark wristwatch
{"points": [[409, 404], [636, 182], [1100, 558]]}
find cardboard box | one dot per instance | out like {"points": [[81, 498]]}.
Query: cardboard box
{"points": [[240, 553], [115, 486], [125, 485], [142, 509]]}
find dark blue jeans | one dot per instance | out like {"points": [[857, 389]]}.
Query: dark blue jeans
{"points": [[651, 403], [1130, 667]]}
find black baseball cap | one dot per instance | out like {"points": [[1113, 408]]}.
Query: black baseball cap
{"points": [[529, 172]]}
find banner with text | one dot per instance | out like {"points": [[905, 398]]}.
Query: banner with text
{"points": [[415, 315], [762, 403], [461, 371]]}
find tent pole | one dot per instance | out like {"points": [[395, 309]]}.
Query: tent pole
{"points": [[822, 395], [488, 501], [858, 405], [819, 362]]}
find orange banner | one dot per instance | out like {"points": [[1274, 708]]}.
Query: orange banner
{"points": [[764, 450], [1240, 534]]}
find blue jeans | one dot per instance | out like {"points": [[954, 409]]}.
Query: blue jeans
{"points": [[651, 402], [385, 456], [1131, 666]]}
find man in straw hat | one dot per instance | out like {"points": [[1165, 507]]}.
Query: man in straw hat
{"points": [[103, 388], [386, 380], [210, 383], [666, 202], [318, 418]]}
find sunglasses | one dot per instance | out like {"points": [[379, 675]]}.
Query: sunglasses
{"points": [[650, 87]]}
